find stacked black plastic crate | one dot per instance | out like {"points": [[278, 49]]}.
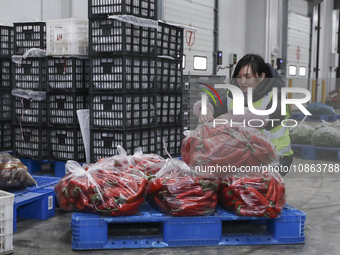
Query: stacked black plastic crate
{"points": [[6, 51], [126, 90], [169, 87], [67, 92], [29, 75]]}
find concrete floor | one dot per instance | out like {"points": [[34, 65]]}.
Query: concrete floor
{"points": [[316, 194]]}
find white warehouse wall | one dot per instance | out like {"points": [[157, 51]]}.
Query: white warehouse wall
{"points": [[12, 11], [232, 30], [248, 26]]}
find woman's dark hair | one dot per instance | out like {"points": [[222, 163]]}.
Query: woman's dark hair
{"points": [[256, 63]]}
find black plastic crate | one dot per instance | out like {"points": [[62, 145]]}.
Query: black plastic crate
{"points": [[63, 106], [104, 142], [31, 141], [30, 74], [6, 41], [66, 144], [67, 74], [5, 73], [139, 8], [169, 137], [169, 75], [170, 41], [5, 104], [185, 117], [30, 111], [122, 74], [185, 98], [122, 111], [169, 108], [111, 36], [5, 135], [29, 35]]}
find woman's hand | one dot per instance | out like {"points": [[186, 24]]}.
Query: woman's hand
{"points": [[206, 117], [203, 117]]}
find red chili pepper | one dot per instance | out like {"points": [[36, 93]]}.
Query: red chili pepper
{"points": [[273, 196], [155, 185], [243, 160], [83, 201], [140, 193], [260, 198], [161, 204], [112, 192], [107, 206], [194, 207], [281, 198], [248, 198], [184, 184], [261, 142], [237, 184], [172, 203], [229, 158], [251, 211], [228, 194], [270, 188], [209, 195], [130, 207], [196, 191], [237, 204]]}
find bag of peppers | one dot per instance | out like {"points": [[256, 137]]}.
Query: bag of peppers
{"points": [[224, 145], [253, 194], [178, 190], [101, 188], [149, 164]]}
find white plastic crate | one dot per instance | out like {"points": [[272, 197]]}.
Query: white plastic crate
{"points": [[6, 221], [66, 37]]}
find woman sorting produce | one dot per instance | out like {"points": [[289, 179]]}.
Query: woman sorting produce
{"points": [[252, 72]]}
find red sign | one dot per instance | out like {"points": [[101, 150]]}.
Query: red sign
{"points": [[298, 53], [190, 37]]}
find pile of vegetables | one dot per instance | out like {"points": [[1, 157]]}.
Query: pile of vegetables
{"points": [[13, 173], [226, 145], [178, 190], [301, 134], [326, 137], [101, 188], [255, 194], [325, 134]]}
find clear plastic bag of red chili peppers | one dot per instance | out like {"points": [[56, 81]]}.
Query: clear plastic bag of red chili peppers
{"points": [[253, 194], [222, 148], [101, 188], [148, 163], [178, 190]]}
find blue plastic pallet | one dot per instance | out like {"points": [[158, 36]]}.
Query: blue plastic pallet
{"points": [[35, 165], [300, 116], [90, 231], [37, 202], [313, 152]]}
